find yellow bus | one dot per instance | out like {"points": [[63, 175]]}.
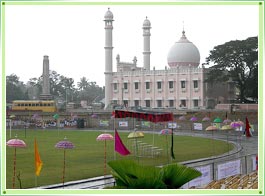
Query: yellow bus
{"points": [[34, 105]]}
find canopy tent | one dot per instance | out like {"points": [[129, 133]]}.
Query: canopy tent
{"points": [[152, 116]]}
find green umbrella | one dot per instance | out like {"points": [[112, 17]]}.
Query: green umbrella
{"points": [[217, 120], [56, 116]]}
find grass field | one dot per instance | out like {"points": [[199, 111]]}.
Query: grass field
{"points": [[87, 158]]}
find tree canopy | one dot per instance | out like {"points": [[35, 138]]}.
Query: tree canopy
{"points": [[238, 60], [61, 88]]}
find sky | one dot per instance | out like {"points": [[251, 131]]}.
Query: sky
{"points": [[74, 37]]}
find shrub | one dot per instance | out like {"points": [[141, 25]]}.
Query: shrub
{"points": [[130, 175]]}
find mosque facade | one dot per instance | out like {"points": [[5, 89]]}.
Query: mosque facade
{"points": [[181, 85]]}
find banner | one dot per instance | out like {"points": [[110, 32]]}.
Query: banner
{"points": [[228, 169], [172, 125], [147, 115], [146, 124], [104, 123], [254, 163], [204, 179], [197, 126], [123, 123]]}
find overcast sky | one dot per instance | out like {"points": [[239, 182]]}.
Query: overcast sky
{"points": [[73, 36]]}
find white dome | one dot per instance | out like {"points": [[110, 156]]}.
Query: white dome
{"points": [[108, 15], [183, 53], [146, 23]]}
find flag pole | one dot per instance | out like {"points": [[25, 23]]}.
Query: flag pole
{"points": [[36, 183], [114, 127]]}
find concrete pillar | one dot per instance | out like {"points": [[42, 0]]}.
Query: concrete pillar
{"points": [[146, 52], [108, 56]]}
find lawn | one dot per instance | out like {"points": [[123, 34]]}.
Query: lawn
{"points": [[87, 158]]}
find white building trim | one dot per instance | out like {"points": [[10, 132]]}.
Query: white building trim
{"points": [[183, 98]]}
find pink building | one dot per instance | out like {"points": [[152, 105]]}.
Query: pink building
{"points": [[181, 85]]}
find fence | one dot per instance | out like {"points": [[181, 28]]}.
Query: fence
{"points": [[218, 169], [214, 169]]}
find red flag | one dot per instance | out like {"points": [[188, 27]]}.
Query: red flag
{"points": [[248, 133], [119, 146]]}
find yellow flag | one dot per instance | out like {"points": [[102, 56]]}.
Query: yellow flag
{"points": [[38, 162]]}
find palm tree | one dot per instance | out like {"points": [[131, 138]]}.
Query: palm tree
{"points": [[83, 84]]}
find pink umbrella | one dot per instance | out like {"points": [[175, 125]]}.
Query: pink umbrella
{"points": [[64, 145], [226, 121], [74, 117], [193, 119], [240, 122], [94, 116], [166, 132], [16, 143], [182, 118], [235, 124], [211, 128], [36, 116], [104, 137], [206, 118]]}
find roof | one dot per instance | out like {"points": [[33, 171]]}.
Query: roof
{"points": [[152, 116]]}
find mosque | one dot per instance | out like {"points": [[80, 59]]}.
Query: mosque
{"points": [[181, 85]]}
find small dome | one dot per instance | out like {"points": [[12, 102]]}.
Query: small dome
{"points": [[146, 23], [183, 53], [108, 15]]}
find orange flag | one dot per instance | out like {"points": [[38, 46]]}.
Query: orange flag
{"points": [[38, 162]]}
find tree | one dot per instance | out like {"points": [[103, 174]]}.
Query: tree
{"points": [[15, 89], [33, 88], [83, 84], [237, 60], [61, 88], [89, 91], [67, 85]]}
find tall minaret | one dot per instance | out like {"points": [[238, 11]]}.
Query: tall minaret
{"points": [[146, 52], [46, 80], [108, 18]]}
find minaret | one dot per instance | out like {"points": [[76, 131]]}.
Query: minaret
{"points": [[46, 80], [146, 52], [108, 18]]}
